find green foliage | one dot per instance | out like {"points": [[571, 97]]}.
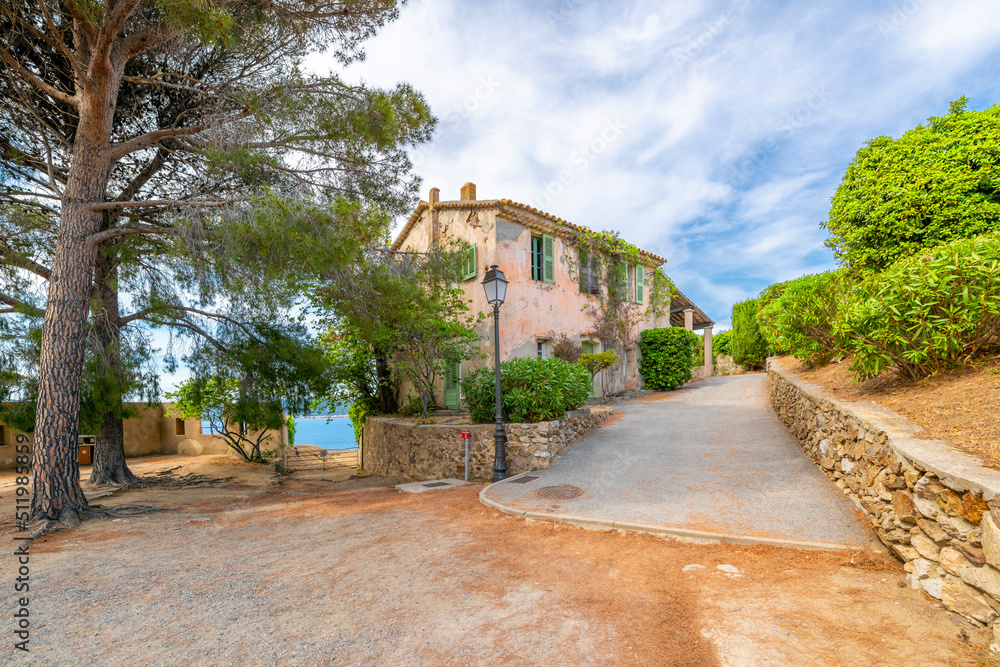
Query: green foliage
{"points": [[290, 424], [722, 344], [928, 312], [801, 320], [357, 413], [244, 385], [936, 183], [597, 362], [411, 311], [748, 345], [532, 389], [667, 357]]}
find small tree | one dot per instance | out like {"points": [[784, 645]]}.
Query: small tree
{"points": [[598, 363], [245, 383], [565, 348]]}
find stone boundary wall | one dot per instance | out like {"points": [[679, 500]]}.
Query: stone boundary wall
{"points": [[934, 507], [393, 446]]}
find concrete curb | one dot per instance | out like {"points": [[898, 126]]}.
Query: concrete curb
{"points": [[662, 531]]}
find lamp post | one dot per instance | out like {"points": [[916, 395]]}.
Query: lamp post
{"points": [[495, 284]]}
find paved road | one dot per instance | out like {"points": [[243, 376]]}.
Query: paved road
{"points": [[710, 459]]}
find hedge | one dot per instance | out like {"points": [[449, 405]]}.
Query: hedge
{"points": [[533, 390], [748, 345], [667, 357]]}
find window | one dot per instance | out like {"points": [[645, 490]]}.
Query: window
{"points": [[178, 427], [543, 258], [640, 282], [540, 348], [588, 347], [589, 273], [468, 260]]}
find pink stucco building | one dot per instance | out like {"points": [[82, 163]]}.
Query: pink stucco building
{"points": [[550, 285]]}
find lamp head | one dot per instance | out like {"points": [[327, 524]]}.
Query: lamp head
{"points": [[495, 284]]}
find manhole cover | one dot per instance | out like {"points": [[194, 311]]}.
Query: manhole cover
{"points": [[565, 492]]}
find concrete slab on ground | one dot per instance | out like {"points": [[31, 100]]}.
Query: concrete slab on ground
{"points": [[430, 485], [709, 461]]}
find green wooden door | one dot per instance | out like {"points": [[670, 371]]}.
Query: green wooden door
{"points": [[451, 387]]}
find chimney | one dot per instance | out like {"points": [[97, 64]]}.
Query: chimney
{"points": [[434, 198], [469, 192]]}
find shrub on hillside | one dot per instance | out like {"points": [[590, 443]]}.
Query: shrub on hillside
{"points": [[801, 320], [533, 390], [748, 345], [667, 357], [937, 183], [927, 312]]}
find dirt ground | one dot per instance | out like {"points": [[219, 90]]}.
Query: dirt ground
{"points": [[959, 406], [323, 569]]}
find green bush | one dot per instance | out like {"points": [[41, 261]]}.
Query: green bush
{"points": [[598, 361], [800, 321], [290, 421], [533, 390], [927, 312], [937, 183], [667, 357], [722, 344], [748, 345]]}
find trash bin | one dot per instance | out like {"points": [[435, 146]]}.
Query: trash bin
{"points": [[86, 456]]}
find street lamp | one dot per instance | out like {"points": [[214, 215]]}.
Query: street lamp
{"points": [[495, 284]]}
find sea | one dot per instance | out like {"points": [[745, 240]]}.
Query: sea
{"points": [[328, 432]]}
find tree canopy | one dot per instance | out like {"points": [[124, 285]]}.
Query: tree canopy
{"points": [[936, 183]]}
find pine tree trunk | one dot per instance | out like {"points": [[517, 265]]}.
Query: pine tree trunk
{"points": [[56, 468], [109, 450]]}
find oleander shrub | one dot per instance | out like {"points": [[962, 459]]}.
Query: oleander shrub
{"points": [[667, 357], [926, 313], [801, 320], [532, 389], [748, 345]]}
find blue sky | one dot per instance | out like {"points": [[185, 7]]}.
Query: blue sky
{"points": [[711, 133]]}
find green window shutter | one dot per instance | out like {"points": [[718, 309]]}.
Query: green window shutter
{"points": [[548, 259], [588, 347], [640, 282], [584, 268], [469, 262]]}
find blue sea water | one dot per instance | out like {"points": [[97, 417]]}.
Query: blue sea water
{"points": [[329, 434]]}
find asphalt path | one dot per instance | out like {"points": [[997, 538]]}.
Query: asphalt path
{"points": [[709, 460]]}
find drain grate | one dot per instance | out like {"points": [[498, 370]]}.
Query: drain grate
{"points": [[565, 492], [434, 484], [524, 480]]}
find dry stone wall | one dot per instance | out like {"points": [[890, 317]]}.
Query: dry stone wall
{"points": [[934, 507], [392, 446]]}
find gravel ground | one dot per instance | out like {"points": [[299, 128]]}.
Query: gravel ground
{"points": [[328, 571]]}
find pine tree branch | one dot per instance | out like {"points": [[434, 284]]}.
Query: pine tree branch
{"points": [[30, 78], [166, 203], [13, 258], [119, 151], [130, 229], [22, 307]]}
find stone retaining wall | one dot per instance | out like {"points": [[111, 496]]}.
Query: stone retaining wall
{"points": [[934, 507], [392, 446]]}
